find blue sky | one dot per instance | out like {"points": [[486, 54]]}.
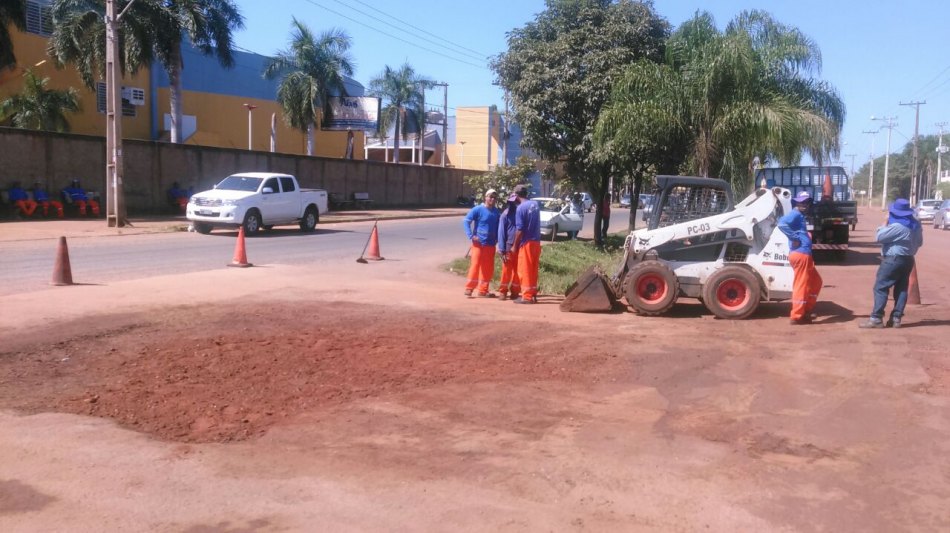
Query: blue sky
{"points": [[877, 54]]}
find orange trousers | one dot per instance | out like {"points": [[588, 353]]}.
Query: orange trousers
{"points": [[529, 259], [93, 205], [510, 281], [481, 268], [27, 207], [47, 203], [807, 284]]}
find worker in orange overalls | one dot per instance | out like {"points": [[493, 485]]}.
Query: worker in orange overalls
{"points": [[21, 200], [481, 227], [42, 198], [807, 282], [75, 194], [510, 282], [527, 242]]}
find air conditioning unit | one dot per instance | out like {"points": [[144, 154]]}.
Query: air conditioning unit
{"points": [[134, 95]]}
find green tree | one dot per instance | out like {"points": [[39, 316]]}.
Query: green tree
{"points": [[502, 177], [39, 108], [402, 90], [152, 30], [11, 12], [559, 70], [310, 70], [726, 98]]}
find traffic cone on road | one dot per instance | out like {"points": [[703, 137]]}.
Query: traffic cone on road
{"points": [[373, 245], [240, 256], [913, 290], [62, 274]]}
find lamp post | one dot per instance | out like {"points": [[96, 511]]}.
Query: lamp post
{"points": [[889, 124], [250, 124]]}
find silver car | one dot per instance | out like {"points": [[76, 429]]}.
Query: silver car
{"points": [[941, 216], [925, 209]]}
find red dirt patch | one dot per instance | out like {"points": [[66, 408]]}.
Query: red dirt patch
{"points": [[199, 375]]}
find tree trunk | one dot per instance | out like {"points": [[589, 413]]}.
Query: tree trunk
{"points": [[175, 92], [635, 200], [396, 134]]}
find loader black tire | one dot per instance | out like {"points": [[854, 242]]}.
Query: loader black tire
{"points": [[651, 288], [732, 293]]}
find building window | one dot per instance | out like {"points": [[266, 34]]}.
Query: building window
{"points": [[128, 110], [39, 17]]}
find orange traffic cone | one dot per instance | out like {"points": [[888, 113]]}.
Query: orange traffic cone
{"points": [[373, 244], [913, 290], [62, 274], [240, 256]]}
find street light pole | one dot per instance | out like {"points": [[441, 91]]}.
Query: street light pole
{"points": [[871, 174], [116, 214], [250, 124], [889, 124]]}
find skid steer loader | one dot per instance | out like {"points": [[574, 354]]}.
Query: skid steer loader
{"points": [[698, 245]]}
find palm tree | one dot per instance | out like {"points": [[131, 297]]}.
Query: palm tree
{"points": [[311, 70], [152, 30], [11, 12], [402, 90], [721, 98], [39, 108]]}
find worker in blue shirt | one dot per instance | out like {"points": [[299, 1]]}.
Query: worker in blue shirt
{"points": [[900, 239], [807, 282], [527, 244], [510, 284], [75, 194], [481, 228]]}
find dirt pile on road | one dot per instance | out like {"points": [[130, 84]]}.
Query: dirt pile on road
{"points": [[224, 374]]}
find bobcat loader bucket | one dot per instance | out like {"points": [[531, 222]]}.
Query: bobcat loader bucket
{"points": [[591, 293]]}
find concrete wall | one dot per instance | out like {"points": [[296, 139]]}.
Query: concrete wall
{"points": [[151, 167]]}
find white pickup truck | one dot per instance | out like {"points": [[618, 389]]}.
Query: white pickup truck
{"points": [[256, 200]]}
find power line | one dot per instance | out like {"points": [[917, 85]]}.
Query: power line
{"points": [[394, 36], [462, 49], [935, 78]]}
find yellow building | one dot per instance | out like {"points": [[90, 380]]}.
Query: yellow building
{"points": [[215, 100]]}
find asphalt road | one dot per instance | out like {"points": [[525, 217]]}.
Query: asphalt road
{"points": [[28, 265]]}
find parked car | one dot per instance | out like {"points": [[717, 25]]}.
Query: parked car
{"points": [[925, 209], [625, 200], [587, 203], [942, 215], [556, 217], [645, 200]]}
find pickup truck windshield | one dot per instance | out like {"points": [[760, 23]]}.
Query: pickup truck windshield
{"points": [[239, 183]]}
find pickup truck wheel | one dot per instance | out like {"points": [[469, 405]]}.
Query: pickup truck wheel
{"points": [[252, 222], [309, 220], [201, 227], [731, 293], [651, 288]]}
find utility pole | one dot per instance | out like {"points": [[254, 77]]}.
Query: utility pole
{"points": [[914, 185], [889, 124], [445, 118], [504, 134], [871, 176], [116, 214], [422, 128], [941, 149]]}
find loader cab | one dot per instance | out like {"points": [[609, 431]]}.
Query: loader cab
{"points": [[684, 198]]}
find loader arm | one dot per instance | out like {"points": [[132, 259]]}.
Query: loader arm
{"points": [[755, 208]]}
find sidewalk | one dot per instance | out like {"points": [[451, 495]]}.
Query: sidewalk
{"points": [[27, 230]]}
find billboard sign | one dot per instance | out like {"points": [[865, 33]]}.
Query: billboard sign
{"points": [[352, 113]]}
